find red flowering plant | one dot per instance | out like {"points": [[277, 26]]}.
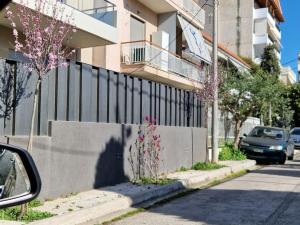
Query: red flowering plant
{"points": [[148, 149]]}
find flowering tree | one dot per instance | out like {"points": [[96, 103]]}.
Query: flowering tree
{"points": [[42, 40], [146, 161], [206, 95]]}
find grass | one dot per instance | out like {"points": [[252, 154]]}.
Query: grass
{"points": [[206, 166], [182, 169], [228, 152], [149, 180], [126, 215], [13, 213]]}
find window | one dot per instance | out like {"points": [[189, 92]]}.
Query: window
{"points": [[137, 29]]}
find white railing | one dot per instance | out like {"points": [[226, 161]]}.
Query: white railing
{"points": [[191, 7], [143, 52]]}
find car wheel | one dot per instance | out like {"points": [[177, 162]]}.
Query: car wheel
{"points": [[291, 157], [259, 161], [282, 160]]}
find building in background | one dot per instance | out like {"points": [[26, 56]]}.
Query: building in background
{"points": [[157, 40], [287, 76], [94, 28], [298, 66], [246, 27]]}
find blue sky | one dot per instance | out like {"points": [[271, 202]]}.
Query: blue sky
{"points": [[290, 31]]}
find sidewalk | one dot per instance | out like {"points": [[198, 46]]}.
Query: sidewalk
{"points": [[96, 206]]}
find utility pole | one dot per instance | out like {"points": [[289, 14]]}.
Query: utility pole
{"points": [[215, 111]]}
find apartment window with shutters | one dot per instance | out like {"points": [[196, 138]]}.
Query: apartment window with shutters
{"points": [[137, 35]]}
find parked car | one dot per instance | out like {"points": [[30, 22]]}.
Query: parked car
{"points": [[295, 135], [268, 144]]}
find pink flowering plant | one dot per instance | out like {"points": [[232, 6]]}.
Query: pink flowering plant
{"points": [[42, 39], [146, 160]]}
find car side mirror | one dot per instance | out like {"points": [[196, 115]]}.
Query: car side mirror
{"points": [[245, 135], [19, 178]]}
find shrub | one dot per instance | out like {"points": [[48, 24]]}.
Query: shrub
{"points": [[228, 152]]}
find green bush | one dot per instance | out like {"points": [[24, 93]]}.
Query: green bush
{"points": [[206, 166], [228, 152]]}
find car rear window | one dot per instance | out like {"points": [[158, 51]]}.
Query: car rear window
{"points": [[295, 132], [266, 132]]}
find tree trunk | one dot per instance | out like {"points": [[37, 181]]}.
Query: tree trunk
{"points": [[35, 101], [24, 207], [237, 131], [206, 126]]}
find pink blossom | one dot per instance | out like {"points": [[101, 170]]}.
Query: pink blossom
{"points": [[15, 32]]}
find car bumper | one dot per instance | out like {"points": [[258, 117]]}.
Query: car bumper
{"points": [[272, 155], [297, 146]]}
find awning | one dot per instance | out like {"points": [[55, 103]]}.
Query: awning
{"points": [[194, 40], [237, 65]]}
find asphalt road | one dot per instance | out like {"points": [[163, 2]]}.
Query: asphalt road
{"points": [[270, 195]]}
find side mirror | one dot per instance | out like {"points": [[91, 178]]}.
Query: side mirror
{"points": [[245, 135], [19, 178]]}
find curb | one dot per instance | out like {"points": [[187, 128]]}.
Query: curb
{"points": [[108, 211]]}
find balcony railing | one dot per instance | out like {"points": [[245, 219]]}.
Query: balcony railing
{"points": [[106, 13], [143, 52], [191, 7]]}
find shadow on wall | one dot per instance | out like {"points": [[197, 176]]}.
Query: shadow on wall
{"points": [[110, 165]]}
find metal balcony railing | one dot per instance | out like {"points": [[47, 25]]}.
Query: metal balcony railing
{"points": [[144, 52], [104, 10]]}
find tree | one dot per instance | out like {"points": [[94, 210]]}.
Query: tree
{"points": [[294, 98], [241, 94], [270, 64], [206, 95], [269, 61], [42, 40]]}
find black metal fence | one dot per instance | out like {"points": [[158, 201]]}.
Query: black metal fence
{"points": [[86, 93]]}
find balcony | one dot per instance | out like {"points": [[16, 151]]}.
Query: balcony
{"points": [[188, 8], [145, 53], [263, 13], [106, 12], [85, 21], [259, 39]]}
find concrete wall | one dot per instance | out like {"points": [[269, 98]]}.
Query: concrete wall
{"points": [[81, 156], [235, 24]]}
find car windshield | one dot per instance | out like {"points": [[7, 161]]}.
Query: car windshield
{"points": [[266, 132], [295, 132]]}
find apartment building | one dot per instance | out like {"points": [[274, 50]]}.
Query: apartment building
{"points": [[287, 76], [85, 20], [157, 40], [246, 27]]}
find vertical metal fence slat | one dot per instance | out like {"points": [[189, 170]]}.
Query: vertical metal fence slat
{"points": [[103, 95]]}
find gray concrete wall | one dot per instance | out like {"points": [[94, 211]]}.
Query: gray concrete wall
{"points": [[80, 156], [236, 26]]}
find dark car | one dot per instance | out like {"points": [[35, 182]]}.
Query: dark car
{"points": [[268, 144]]}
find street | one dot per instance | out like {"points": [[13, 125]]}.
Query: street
{"points": [[270, 195]]}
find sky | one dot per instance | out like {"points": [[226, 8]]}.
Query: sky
{"points": [[290, 32]]}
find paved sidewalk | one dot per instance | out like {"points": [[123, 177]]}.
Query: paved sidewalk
{"points": [[96, 205]]}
